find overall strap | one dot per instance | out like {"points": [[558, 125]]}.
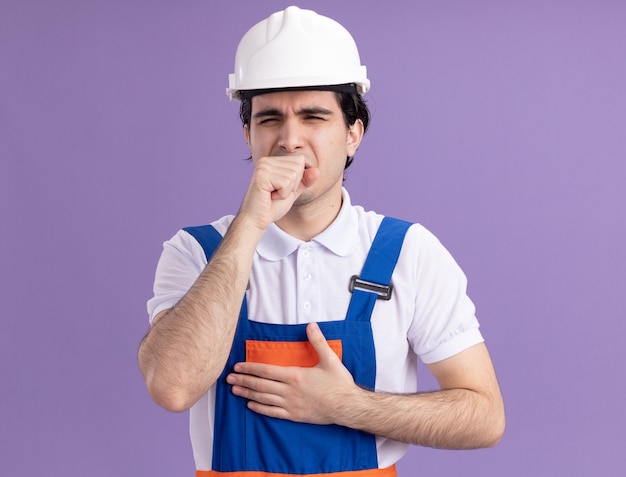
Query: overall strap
{"points": [[375, 279], [207, 237]]}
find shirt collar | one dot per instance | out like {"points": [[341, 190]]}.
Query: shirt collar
{"points": [[339, 237]]}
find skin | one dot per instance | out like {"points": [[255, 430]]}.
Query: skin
{"points": [[299, 142]]}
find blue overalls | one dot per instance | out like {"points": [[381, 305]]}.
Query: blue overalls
{"points": [[252, 445]]}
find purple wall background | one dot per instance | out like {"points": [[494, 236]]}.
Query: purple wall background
{"points": [[500, 125]]}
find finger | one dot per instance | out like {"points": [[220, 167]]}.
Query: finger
{"points": [[261, 370], [274, 174], [283, 183], [310, 176], [270, 411], [268, 399], [319, 343], [256, 389], [289, 186]]}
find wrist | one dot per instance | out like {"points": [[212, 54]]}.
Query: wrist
{"points": [[353, 409], [247, 228]]}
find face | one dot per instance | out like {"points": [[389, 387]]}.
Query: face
{"points": [[307, 123]]}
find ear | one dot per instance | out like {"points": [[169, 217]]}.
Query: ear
{"points": [[246, 135], [355, 134]]}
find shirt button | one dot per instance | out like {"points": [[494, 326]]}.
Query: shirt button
{"points": [[306, 253], [307, 277], [307, 305]]}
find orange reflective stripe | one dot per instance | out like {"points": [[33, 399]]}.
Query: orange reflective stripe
{"points": [[387, 472], [286, 353]]}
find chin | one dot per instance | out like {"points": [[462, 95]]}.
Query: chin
{"points": [[305, 198]]}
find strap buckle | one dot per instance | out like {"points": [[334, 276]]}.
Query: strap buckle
{"points": [[383, 291]]}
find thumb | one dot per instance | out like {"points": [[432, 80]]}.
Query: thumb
{"points": [[319, 343], [310, 176]]}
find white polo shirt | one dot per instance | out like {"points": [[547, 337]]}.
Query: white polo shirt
{"points": [[292, 281]]}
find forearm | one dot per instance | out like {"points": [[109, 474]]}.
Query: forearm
{"points": [[448, 419], [186, 349]]}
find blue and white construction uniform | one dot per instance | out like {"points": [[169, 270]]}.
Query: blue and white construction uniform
{"points": [[294, 282]]}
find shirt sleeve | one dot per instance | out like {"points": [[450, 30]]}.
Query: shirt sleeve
{"points": [[181, 262], [444, 323]]}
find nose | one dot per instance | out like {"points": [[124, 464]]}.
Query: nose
{"points": [[290, 139]]}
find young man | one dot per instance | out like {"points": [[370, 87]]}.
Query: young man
{"points": [[292, 329]]}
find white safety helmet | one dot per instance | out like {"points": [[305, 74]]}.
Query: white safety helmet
{"points": [[296, 49]]}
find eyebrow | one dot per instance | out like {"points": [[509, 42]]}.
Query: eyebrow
{"points": [[315, 110]]}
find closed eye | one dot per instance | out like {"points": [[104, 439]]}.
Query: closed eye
{"points": [[267, 120], [267, 116]]}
